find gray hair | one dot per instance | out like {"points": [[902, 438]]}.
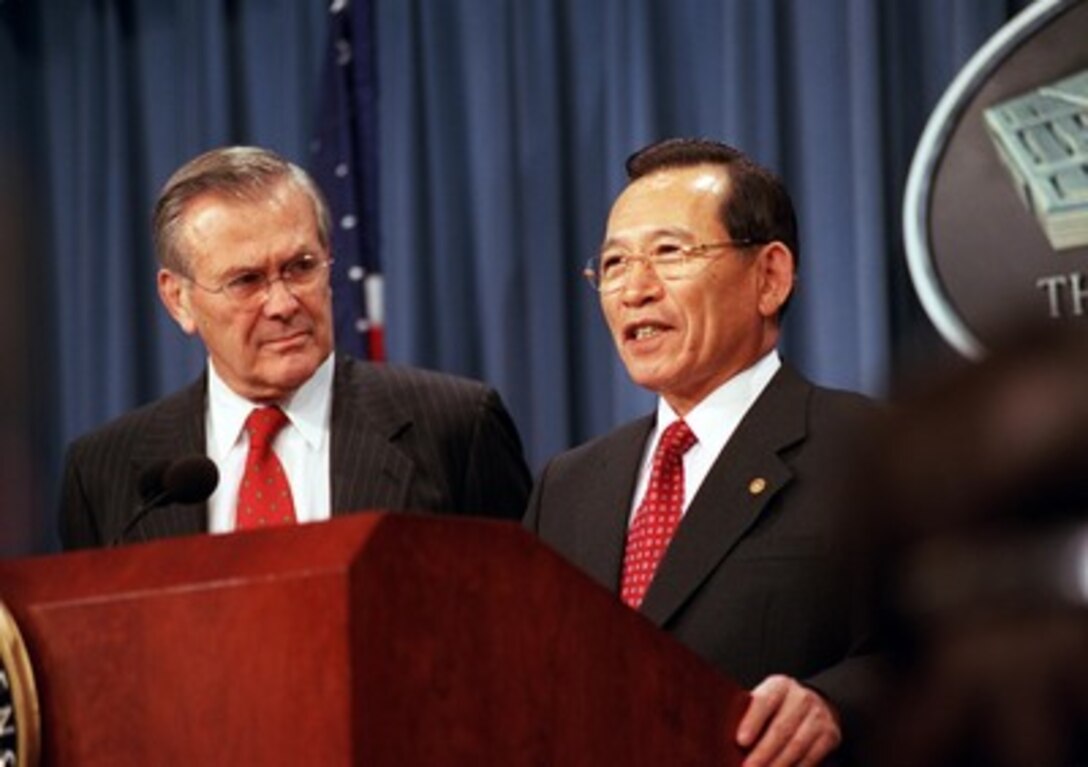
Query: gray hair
{"points": [[239, 172]]}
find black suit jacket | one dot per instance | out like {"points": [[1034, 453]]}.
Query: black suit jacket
{"points": [[402, 439], [758, 577]]}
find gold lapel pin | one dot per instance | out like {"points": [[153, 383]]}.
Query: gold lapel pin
{"points": [[757, 486]]}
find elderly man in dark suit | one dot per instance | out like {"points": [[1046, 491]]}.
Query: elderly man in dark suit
{"points": [[716, 517], [297, 432]]}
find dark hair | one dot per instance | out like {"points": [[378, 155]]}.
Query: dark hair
{"points": [[758, 207], [241, 172]]}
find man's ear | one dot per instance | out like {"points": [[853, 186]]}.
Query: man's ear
{"points": [[776, 277], [175, 297]]}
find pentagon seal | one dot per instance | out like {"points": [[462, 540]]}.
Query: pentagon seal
{"points": [[995, 214], [20, 733]]}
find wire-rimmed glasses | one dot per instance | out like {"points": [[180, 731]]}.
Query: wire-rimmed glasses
{"points": [[298, 275], [609, 271]]}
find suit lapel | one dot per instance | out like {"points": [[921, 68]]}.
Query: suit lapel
{"points": [[601, 537], [748, 474], [368, 469], [177, 431]]}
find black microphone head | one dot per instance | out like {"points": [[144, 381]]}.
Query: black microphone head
{"points": [[190, 479], [150, 483]]}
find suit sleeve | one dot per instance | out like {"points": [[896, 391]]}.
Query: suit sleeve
{"points": [[78, 529], [497, 479], [531, 520]]}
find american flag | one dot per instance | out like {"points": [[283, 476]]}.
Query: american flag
{"points": [[344, 164]]}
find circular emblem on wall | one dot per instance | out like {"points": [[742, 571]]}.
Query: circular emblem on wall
{"points": [[20, 733], [995, 214]]}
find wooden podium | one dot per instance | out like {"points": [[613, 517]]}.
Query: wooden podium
{"points": [[372, 639]]}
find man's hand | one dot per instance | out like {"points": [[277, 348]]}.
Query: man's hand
{"points": [[787, 724]]}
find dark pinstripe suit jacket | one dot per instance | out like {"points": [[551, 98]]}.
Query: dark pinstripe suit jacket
{"points": [[402, 439], [756, 579]]}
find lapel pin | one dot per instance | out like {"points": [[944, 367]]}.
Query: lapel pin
{"points": [[757, 486]]}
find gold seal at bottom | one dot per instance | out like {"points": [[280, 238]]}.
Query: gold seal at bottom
{"points": [[20, 717]]}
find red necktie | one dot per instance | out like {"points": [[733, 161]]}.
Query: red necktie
{"points": [[264, 497], [658, 515]]}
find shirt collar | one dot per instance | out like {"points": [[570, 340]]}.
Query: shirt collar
{"points": [[307, 408], [724, 404]]}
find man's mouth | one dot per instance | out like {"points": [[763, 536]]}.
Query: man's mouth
{"points": [[642, 331], [288, 339]]}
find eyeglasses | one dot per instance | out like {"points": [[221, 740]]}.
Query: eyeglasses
{"points": [[298, 275], [610, 271]]}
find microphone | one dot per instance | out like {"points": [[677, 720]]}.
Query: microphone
{"points": [[150, 483], [189, 479]]}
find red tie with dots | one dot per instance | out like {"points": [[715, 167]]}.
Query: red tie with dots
{"points": [[264, 498], [658, 515]]}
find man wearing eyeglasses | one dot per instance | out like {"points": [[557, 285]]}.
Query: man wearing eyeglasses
{"points": [[296, 432], [716, 517]]}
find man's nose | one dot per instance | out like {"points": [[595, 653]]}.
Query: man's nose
{"points": [[278, 297], [642, 283]]}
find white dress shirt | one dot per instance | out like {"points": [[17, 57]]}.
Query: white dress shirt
{"points": [[713, 422], [302, 446]]}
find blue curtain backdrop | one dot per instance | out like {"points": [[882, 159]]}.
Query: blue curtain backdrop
{"points": [[503, 126]]}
